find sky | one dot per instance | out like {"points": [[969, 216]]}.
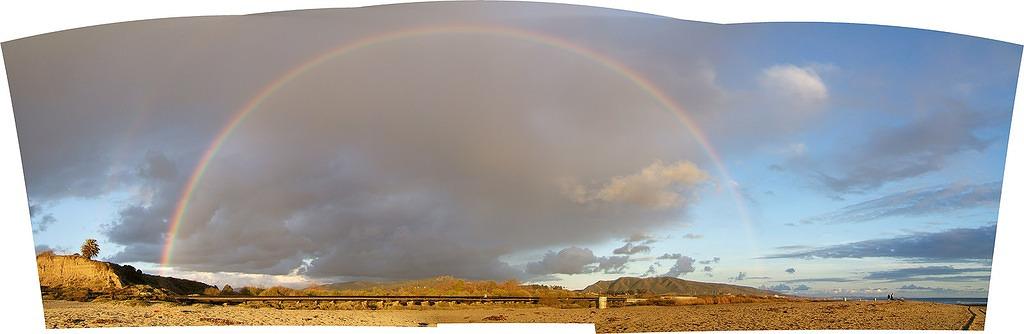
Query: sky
{"points": [[547, 143]]}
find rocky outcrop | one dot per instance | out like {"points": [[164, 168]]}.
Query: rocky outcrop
{"points": [[76, 272]]}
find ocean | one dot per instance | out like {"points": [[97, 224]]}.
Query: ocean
{"points": [[958, 301]]}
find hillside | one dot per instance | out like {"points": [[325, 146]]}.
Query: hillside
{"points": [[670, 286], [353, 285], [440, 286], [70, 271]]}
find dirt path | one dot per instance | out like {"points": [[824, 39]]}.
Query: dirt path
{"points": [[978, 323], [970, 321]]}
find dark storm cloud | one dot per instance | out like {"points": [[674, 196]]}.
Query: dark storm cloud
{"points": [[683, 266], [571, 260], [447, 153], [791, 270], [412, 158], [576, 260], [801, 287], [917, 202], [953, 244], [918, 147], [141, 226], [923, 273]]}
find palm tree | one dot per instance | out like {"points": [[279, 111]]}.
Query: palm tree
{"points": [[90, 248]]}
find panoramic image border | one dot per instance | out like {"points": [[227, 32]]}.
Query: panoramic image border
{"points": [[590, 191]]}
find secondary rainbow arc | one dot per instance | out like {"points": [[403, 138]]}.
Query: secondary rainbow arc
{"points": [[182, 205]]}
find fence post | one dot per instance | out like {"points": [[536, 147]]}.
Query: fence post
{"points": [[602, 303]]}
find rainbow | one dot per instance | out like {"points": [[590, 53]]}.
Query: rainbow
{"points": [[182, 205]]}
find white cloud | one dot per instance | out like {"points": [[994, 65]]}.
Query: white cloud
{"points": [[657, 186], [799, 84], [238, 280]]}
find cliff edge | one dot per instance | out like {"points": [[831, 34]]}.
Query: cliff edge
{"points": [[76, 272]]}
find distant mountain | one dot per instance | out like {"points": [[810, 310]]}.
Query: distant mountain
{"points": [[670, 286], [353, 285]]}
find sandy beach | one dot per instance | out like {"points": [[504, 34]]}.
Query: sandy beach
{"points": [[751, 316]]}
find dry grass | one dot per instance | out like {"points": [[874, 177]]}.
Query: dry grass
{"points": [[710, 300]]}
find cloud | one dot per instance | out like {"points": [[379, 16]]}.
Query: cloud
{"points": [[450, 179], [642, 238], [48, 248], [658, 186], [673, 256], [821, 280], [399, 175], [739, 277], [958, 278], [629, 248], [801, 287], [953, 244], [708, 268], [612, 264], [692, 236], [777, 287], [651, 272], [791, 270], [40, 220], [571, 260], [925, 288], [912, 149], [712, 260], [917, 202], [576, 260], [683, 266], [798, 84], [238, 280], [928, 273], [140, 226]]}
